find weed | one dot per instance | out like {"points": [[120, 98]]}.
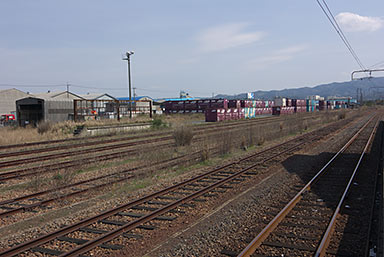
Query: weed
{"points": [[44, 127], [158, 123], [341, 115], [225, 143], [260, 140], [204, 152], [183, 135]]}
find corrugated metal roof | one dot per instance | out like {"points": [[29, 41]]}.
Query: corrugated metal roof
{"points": [[58, 94], [8, 99], [137, 98], [95, 96]]}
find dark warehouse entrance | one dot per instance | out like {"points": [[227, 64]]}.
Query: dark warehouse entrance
{"points": [[30, 111]]}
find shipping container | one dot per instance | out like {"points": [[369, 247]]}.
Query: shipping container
{"points": [[234, 104], [191, 105], [281, 102], [214, 115], [219, 103], [276, 110], [241, 113], [228, 114]]}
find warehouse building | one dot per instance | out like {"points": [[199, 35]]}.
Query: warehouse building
{"points": [[8, 99], [140, 104], [50, 106]]}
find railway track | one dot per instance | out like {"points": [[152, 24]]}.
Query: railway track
{"points": [[164, 136], [28, 203], [161, 135], [304, 226], [42, 168], [112, 229], [109, 140]]}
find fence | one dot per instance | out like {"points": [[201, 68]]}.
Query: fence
{"points": [[109, 109]]}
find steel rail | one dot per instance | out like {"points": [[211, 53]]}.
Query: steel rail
{"points": [[85, 151], [46, 238], [97, 149], [257, 241], [119, 139], [259, 120], [134, 224], [44, 202], [321, 250], [66, 164]]}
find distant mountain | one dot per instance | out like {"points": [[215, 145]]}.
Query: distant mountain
{"points": [[370, 88]]}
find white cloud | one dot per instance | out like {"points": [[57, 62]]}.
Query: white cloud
{"points": [[279, 56], [357, 23], [227, 36]]}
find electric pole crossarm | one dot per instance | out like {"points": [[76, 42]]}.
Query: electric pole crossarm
{"points": [[365, 71]]}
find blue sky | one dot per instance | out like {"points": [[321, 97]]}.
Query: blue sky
{"points": [[202, 47]]}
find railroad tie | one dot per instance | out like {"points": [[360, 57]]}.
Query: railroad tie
{"points": [[122, 223], [50, 251], [139, 215], [83, 241], [99, 231]]}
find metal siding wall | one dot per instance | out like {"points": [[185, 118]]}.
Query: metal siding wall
{"points": [[58, 110]]}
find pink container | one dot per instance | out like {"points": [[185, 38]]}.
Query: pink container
{"points": [[241, 113]]}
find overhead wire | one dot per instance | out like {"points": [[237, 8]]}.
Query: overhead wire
{"points": [[377, 64], [339, 31]]}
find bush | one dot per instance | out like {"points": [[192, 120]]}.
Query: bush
{"points": [[157, 123], [226, 143], [44, 127], [183, 135], [342, 115]]}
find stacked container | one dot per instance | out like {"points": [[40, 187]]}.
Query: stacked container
{"points": [[214, 115], [287, 110], [312, 105], [299, 105], [282, 102]]}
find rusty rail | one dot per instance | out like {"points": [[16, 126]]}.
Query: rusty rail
{"points": [[46, 238], [257, 241], [321, 250]]}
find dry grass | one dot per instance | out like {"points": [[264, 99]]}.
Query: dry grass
{"points": [[44, 127], [183, 135]]}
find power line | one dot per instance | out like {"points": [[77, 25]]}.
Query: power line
{"points": [[339, 31], [377, 64], [13, 85]]}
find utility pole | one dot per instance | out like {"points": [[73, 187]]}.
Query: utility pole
{"points": [[67, 90], [128, 59], [361, 95], [357, 95], [134, 92]]}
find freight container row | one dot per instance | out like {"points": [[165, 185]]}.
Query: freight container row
{"points": [[253, 112], [277, 110], [213, 115], [287, 102], [202, 105]]}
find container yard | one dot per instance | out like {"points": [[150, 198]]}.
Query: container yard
{"points": [[224, 109]]}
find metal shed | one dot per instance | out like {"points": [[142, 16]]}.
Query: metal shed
{"points": [[32, 110]]}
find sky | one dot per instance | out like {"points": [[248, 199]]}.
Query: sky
{"points": [[203, 47]]}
